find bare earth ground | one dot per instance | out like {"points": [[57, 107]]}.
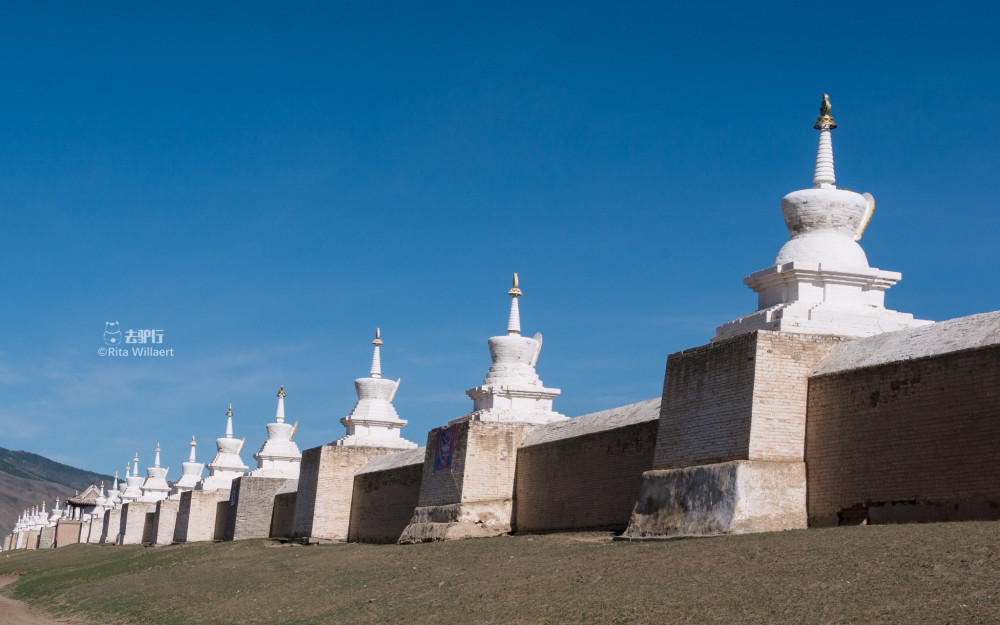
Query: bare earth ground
{"points": [[934, 573], [14, 612]]}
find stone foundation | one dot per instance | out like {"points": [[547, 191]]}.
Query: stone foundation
{"points": [[201, 516], [252, 506], [474, 497], [739, 497], [137, 523], [326, 483]]}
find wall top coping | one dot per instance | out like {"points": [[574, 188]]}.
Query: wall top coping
{"points": [[395, 460], [594, 422]]}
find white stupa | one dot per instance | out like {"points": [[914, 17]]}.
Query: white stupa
{"points": [[280, 456], [227, 464], [155, 487], [374, 421], [133, 482], [512, 391], [821, 282], [55, 515], [190, 474]]}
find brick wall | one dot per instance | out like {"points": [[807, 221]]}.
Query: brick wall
{"points": [[165, 521], [251, 507], [326, 483], [67, 532], [201, 515], [586, 472], [909, 440], [111, 525], [133, 522], [741, 398], [96, 526], [284, 513], [47, 537], [385, 494]]}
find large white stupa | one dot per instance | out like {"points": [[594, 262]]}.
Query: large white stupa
{"points": [[821, 282], [133, 482], [114, 495], [190, 474], [227, 464], [155, 487], [279, 456], [374, 421], [512, 391]]}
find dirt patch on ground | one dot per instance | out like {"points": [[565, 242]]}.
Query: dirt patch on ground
{"points": [[17, 612], [935, 573]]}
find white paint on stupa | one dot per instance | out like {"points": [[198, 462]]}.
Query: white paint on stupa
{"points": [[55, 515], [279, 456], [821, 282], [190, 474], [374, 421], [227, 464], [114, 495], [512, 391], [155, 487], [133, 482]]}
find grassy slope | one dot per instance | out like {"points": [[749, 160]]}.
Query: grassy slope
{"points": [[27, 479], [935, 573]]}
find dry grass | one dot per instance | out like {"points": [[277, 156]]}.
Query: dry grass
{"points": [[935, 573]]}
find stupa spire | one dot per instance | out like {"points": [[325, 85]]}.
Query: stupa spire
{"points": [[156, 463], [823, 176], [376, 355], [514, 320], [193, 445], [229, 421], [135, 467], [279, 416]]}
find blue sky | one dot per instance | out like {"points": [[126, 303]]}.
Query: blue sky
{"points": [[268, 183]]}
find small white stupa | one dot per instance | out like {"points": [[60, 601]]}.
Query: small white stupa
{"points": [[227, 464], [190, 474], [821, 282], [114, 495], [512, 391], [133, 482], [374, 421], [55, 515], [280, 456], [155, 487]]}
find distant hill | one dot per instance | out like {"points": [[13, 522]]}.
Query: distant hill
{"points": [[27, 479]]}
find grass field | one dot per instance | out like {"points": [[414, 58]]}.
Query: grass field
{"points": [[934, 573]]}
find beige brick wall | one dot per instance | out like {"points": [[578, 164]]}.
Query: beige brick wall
{"points": [[47, 537], [383, 503], [251, 507], [7, 542], [135, 527], [111, 526], [326, 483], [32, 541], [165, 521], [96, 527], [201, 516], [742, 398], [283, 515], [589, 481], [908, 440], [67, 532]]}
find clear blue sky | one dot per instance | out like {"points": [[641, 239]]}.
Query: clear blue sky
{"points": [[266, 183]]}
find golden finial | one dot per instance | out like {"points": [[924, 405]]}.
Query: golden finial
{"points": [[515, 292], [378, 337], [116, 476], [128, 467], [825, 122], [193, 444], [281, 391], [136, 459], [157, 447], [102, 484], [229, 412]]}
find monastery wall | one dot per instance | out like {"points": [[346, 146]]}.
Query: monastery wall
{"points": [[284, 510], [326, 482], [111, 526], [251, 507], [165, 521], [96, 528], [32, 541], [136, 528], [385, 494], [68, 532], [47, 537], [903, 426], [201, 515], [585, 472]]}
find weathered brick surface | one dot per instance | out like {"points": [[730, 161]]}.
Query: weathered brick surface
{"points": [[165, 521], [385, 496], [96, 529], [284, 512], [326, 483], [742, 398], [909, 440], [32, 541], [136, 527], [7, 542], [588, 481], [111, 526], [47, 537], [201, 516], [251, 507], [67, 532]]}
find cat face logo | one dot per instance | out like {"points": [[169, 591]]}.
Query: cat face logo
{"points": [[112, 334]]}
